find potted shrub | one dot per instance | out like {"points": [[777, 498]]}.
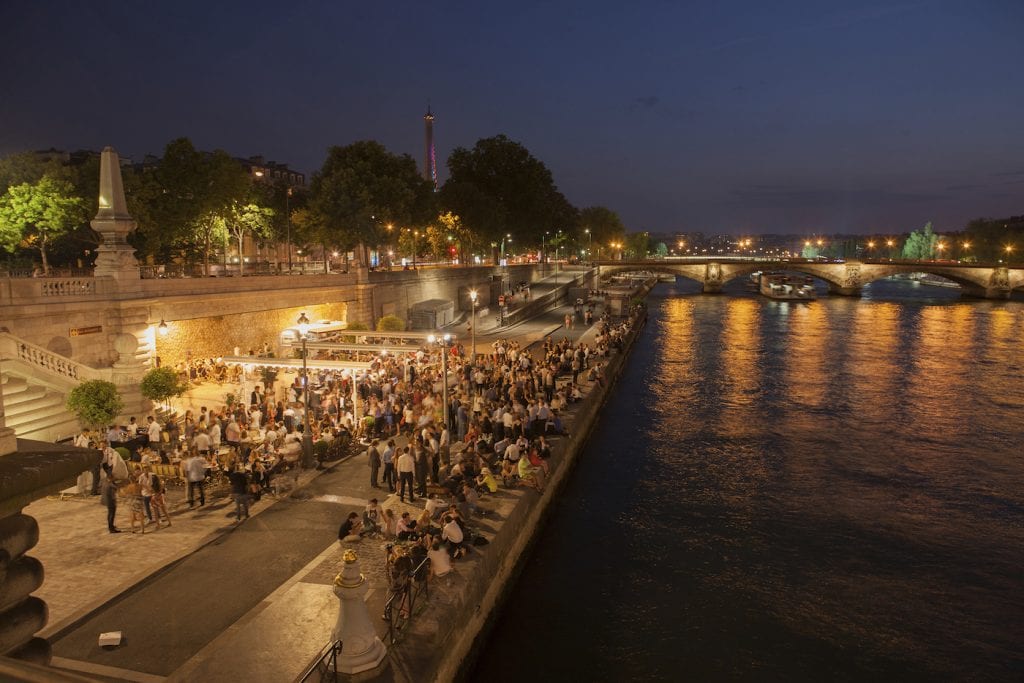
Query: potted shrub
{"points": [[160, 385], [95, 403], [390, 323]]}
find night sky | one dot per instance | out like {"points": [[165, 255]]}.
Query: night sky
{"points": [[740, 116]]}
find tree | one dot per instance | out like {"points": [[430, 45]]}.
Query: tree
{"points": [[661, 250], [29, 167], [390, 323], [247, 219], [39, 213], [361, 188], [96, 403], [604, 225], [921, 245], [162, 384], [499, 188], [226, 186], [637, 245]]}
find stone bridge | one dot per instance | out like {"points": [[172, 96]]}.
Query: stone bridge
{"points": [[847, 279]]}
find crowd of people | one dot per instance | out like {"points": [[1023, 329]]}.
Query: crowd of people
{"points": [[504, 410]]}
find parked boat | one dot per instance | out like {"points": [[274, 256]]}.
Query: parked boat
{"points": [[786, 288], [936, 281]]}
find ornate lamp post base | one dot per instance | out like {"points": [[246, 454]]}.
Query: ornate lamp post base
{"points": [[361, 649]]}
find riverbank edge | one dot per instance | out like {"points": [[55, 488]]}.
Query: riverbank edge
{"points": [[509, 551]]}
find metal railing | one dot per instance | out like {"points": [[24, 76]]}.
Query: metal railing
{"points": [[197, 270], [54, 272], [406, 597], [325, 667]]}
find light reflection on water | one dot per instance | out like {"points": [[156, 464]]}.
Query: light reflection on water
{"points": [[819, 491]]}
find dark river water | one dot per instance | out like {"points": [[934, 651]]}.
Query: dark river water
{"points": [[790, 491]]}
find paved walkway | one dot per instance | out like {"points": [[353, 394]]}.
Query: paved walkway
{"points": [[206, 599]]}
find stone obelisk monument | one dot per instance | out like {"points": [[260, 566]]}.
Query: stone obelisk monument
{"points": [[115, 257]]}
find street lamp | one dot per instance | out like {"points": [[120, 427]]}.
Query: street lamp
{"points": [[162, 327], [557, 247], [472, 297], [307, 435], [288, 226], [590, 244], [444, 341], [415, 234], [508, 238]]}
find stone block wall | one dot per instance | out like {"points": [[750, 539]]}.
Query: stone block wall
{"points": [[218, 335]]}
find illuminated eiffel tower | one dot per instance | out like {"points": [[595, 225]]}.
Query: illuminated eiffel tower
{"points": [[430, 158]]}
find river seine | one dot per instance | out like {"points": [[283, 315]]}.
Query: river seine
{"points": [[790, 491]]}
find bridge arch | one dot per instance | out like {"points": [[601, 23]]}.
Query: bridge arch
{"points": [[844, 278]]}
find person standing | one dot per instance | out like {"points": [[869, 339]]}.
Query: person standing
{"points": [[108, 496], [406, 469], [158, 503], [145, 481], [374, 460], [422, 468], [240, 492], [154, 430], [195, 473], [388, 458]]}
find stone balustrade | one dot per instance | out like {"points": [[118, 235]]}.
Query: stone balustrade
{"points": [[79, 286]]}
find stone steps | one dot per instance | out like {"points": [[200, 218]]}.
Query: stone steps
{"points": [[34, 411]]}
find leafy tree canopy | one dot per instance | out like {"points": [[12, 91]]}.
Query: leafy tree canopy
{"points": [[161, 384], [390, 323], [499, 188], [921, 245], [361, 188], [39, 213], [96, 403], [604, 224]]}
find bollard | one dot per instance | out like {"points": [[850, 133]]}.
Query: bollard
{"points": [[361, 649]]}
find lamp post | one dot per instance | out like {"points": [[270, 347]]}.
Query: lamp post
{"points": [[590, 244], [472, 297], [307, 435], [543, 259], [415, 234], [444, 341], [288, 225]]}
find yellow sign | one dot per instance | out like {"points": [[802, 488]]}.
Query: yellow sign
{"points": [[79, 331]]}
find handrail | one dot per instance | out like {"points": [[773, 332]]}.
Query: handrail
{"points": [[417, 588], [326, 663], [44, 359]]}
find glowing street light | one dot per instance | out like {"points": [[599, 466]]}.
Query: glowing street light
{"points": [[444, 341], [472, 297], [307, 436]]}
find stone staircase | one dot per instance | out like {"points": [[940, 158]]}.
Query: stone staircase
{"points": [[34, 410], [35, 382]]}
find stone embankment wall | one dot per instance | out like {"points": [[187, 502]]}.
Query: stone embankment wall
{"points": [[500, 564]]}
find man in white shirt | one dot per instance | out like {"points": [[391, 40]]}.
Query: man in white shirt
{"points": [[452, 533], [195, 473], [406, 468], [214, 435], [153, 430], [202, 442]]}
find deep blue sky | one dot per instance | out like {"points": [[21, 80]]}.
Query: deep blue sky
{"points": [[737, 116]]}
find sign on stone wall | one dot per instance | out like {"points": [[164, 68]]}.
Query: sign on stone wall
{"points": [[79, 331]]}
